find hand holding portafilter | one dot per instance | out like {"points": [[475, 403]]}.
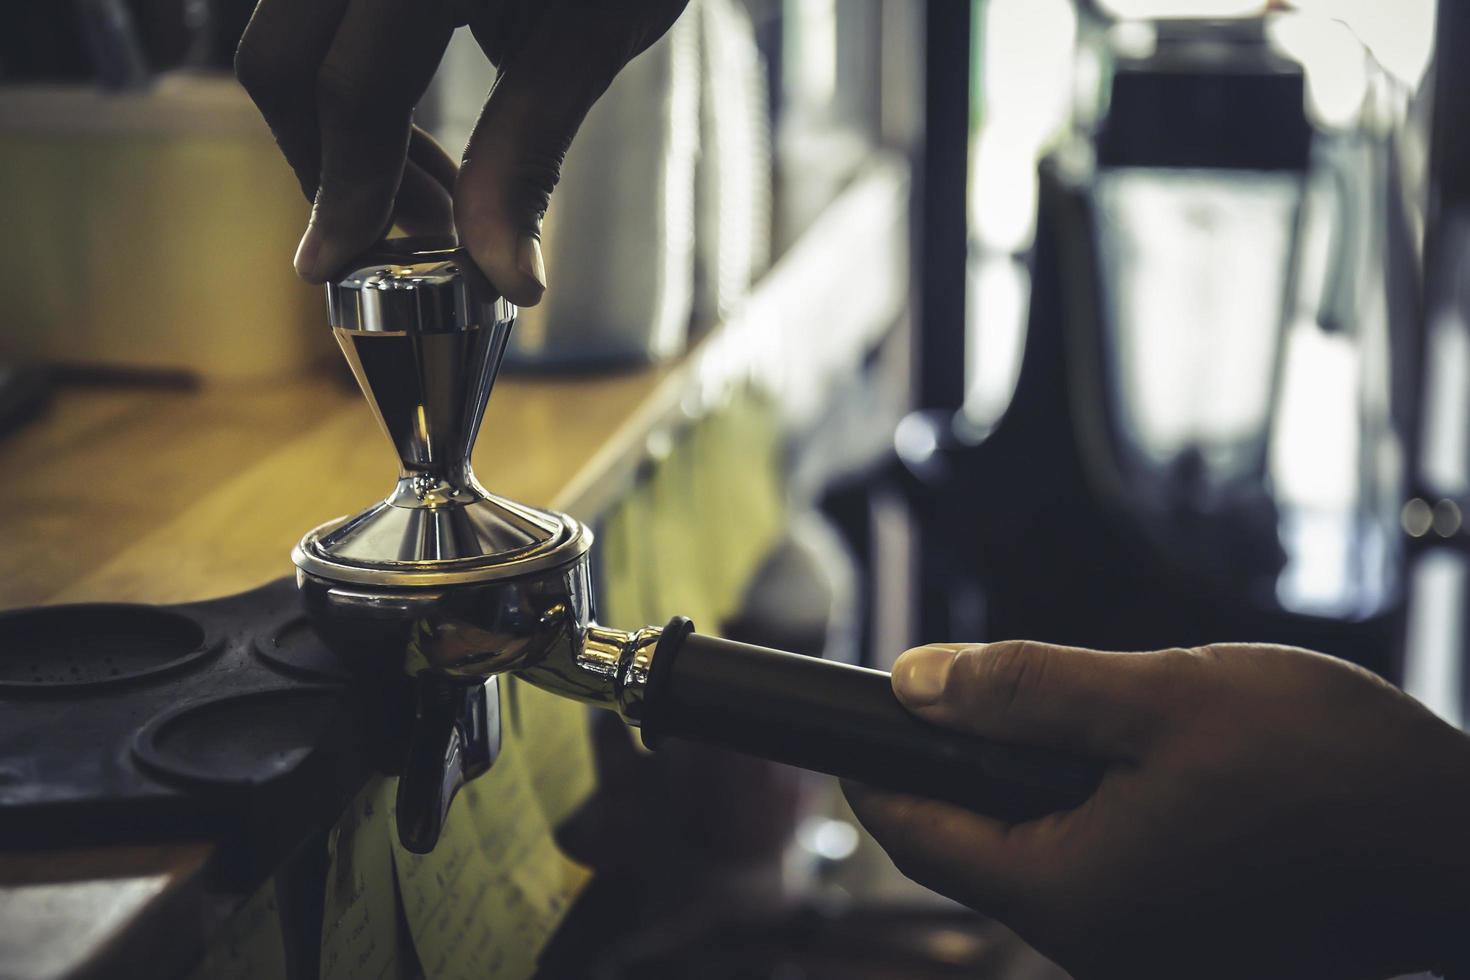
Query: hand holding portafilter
{"points": [[478, 585]]}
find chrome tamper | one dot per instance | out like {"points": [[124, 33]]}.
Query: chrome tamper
{"points": [[460, 585]]}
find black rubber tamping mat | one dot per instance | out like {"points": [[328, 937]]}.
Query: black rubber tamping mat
{"points": [[226, 719]]}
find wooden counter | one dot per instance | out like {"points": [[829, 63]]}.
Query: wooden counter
{"points": [[172, 496], [165, 495]]}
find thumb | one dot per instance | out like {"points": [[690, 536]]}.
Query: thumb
{"points": [[1109, 705], [514, 157]]}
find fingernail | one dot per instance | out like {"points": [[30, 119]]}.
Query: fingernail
{"points": [[920, 674], [529, 261], [307, 253]]}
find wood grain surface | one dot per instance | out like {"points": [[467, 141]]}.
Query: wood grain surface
{"points": [[160, 495]]}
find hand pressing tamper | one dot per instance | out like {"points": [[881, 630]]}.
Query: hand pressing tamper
{"points": [[476, 585]]}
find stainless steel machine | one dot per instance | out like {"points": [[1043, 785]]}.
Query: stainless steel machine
{"points": [[458, 585]]}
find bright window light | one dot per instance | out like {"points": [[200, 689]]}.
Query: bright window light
{"points": [[1027, 61], [1134, 38], [1434, 648], [1400, 33], [1193, 273], [1003, 187], [1182, 8], [1028, 58], [1335, 63], [1314, 449], [997, 297], [812, 62]]}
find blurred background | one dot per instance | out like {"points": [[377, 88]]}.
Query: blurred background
{"points": [[1136, 323]]}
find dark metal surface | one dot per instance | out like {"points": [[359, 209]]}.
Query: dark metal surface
{"points": [[941, 256], [941, 216]]}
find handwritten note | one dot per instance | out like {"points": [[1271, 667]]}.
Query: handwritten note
{"points": [[626, 570], [627, 579], [485, 901], [682, 558], [554, 735], [250, 945], [359, 918], [687, 539], [750, 475]]}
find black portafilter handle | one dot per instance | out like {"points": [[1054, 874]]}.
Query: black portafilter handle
{"points": [[844, 720]]}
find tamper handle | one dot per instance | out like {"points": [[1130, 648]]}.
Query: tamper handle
{"points": [[456, 737], [845, 720]]}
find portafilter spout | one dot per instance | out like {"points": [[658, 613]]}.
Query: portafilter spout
{"points": [[462, 585]]}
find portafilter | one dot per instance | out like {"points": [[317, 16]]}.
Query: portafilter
{"points": [[460, 585]]}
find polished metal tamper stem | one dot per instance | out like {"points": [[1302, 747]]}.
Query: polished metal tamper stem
{"points": [[461, 585], [426, 349]]}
